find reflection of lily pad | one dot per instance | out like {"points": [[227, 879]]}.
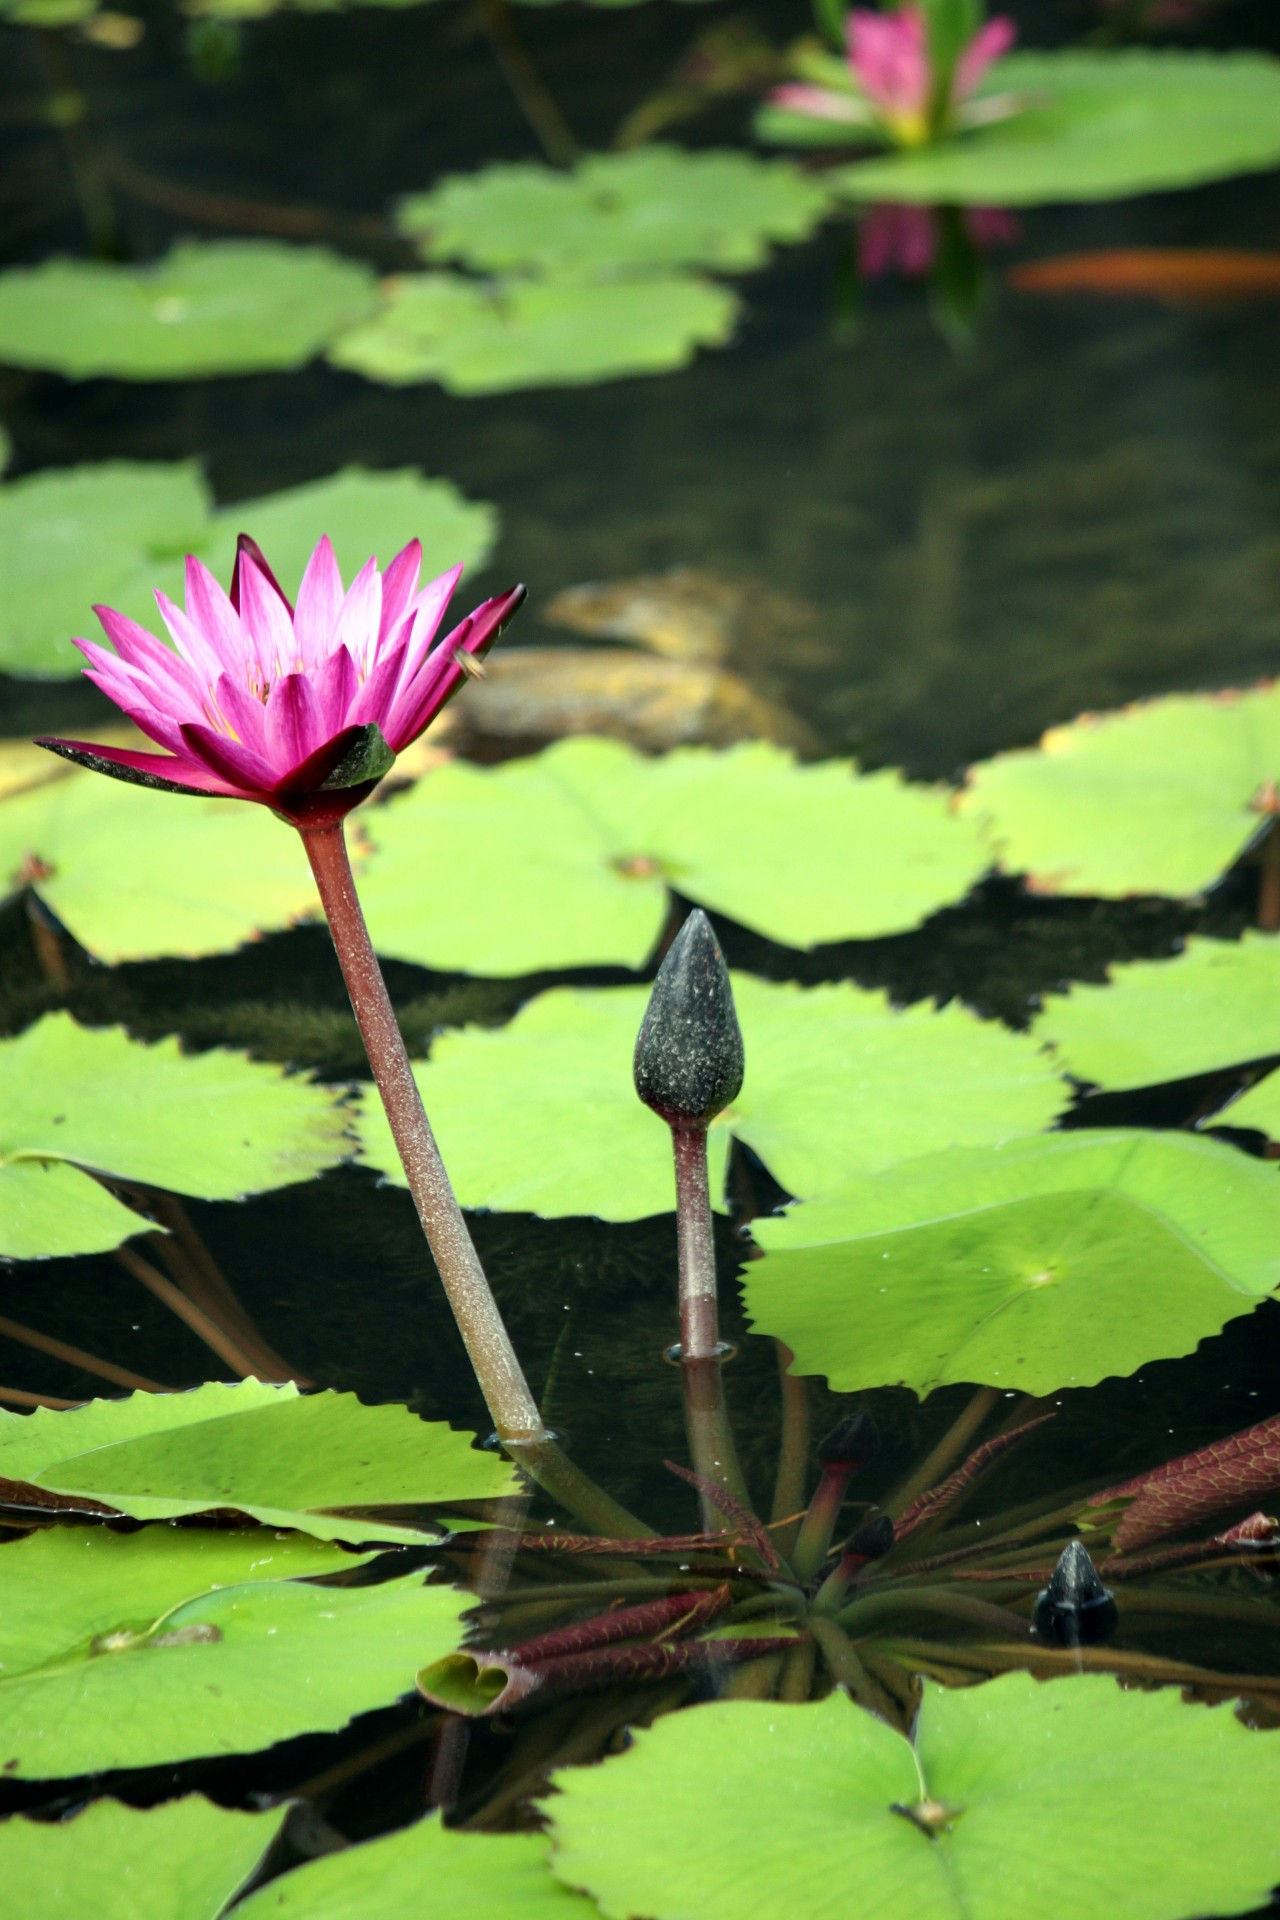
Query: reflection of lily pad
{"points": [[1160, 797], [133, 873], [187, 1858], [110, 534], [481, 1876], [541, 1114], [136, 1650], [70, 538], [1214, 1005], [215, 1125], [210, 306], [1097, 125], [1143, 1807], [263, 1450], [493, 336], [654, 206], [1045, 1263], [581, 843]]}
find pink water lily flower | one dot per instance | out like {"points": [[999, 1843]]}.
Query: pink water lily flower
{"points": [[894, 84], [301, 709]]}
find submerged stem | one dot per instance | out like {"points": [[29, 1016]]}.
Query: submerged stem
{"points": [[701, 1354]]}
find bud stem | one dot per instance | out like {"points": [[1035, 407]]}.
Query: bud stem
{"points": [[705, 1415]]}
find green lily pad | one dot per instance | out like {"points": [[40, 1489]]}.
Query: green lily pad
{"points": [[1259, 1107], [111, 533], [495, 336], [581, 843], [133, 873], [139, 1650], [185, 1858], [263, 1450], [479, 1876], [541, 1114], [68, 538], [1158, 798], [210, 306], [215, 1125], [654, 206], [1216, 1004], [1096, 126], [1135, 1805], [1044, 1263]]}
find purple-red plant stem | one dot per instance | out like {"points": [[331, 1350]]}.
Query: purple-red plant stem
{"points": [[819, 1523], [705, 1414], [506, 1391]]}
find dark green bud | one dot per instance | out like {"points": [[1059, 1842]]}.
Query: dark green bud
{"points": [[851, 1444], [1075, 1609], [688, 1060]]}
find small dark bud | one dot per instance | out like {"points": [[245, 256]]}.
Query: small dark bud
{"points": [[688, 1060], [873, 1539], [1075, 1609], [850, 1444]]}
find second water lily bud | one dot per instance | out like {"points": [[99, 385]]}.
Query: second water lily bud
{"points": [[688, 1060], [1075, 1609]]}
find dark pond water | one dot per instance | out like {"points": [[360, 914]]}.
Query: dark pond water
{"points": [[1080, 507]]}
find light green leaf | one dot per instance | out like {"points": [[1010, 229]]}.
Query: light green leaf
{"points": [[216, 1125], [541, 1114], [1097, 126], [1132, 1805], [1158, 798], [1215, 1005], [139, 1650], [186, 1858], [478, 1876], [654, 206], [48, 1209], [1259, 1107], [495, 336], [580, 843], [133, 873], [210, 306], [263, 1450], [1044, 1263], [78, 536]]}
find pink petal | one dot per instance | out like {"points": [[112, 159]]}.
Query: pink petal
{"points": [[148, 656], [173, 770], [361, 617], [266, 622], [336, 685], [822, 103], [319, 603], [428, 611], [157, 726], [247, 548], [986, 47], [242, 770], [294, 724], [215, 619], [374, 700], [888, 53], [399, 583], [243, 712], [417, 704]]}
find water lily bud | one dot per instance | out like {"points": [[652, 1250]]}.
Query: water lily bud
{"points": [[873, 1539], [1075, 1609], [688, 1059], [851, 1444]]}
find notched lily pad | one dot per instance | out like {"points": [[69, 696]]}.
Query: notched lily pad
{"points": [[1096, 126], [139, 1650], [1148, 1809], [209, 307], [496, 336], [82, 1100], [1158, 798], [655, 206], [115, 1862], [541, 1114], [262, 1450], [581, 843], [1044, 1263]]}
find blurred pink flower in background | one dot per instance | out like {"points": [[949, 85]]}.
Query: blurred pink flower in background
{"points": [[897, 238]]}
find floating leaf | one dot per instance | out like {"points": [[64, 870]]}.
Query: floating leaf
{"points": [[215, 1125], [494, 336], [133, 873], [1045, 1263], [1259, 1107], [1096, 126], [265, 1451], [581, 842], [111, 533], [654, 206], [138, 1650], [541, 1114], [1215, 1004], [210, 306], [186, 1858], [478, 1876], [1143, 1807], [70, 538], [1158, 798]]}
